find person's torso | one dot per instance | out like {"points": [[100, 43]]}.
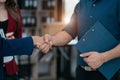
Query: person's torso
{"points": [[98, 10], [91, 11]]}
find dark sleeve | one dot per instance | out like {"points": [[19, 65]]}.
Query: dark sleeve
{"points": [[23, 46], [71, 28]]}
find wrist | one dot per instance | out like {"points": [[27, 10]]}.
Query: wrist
{"points": [[37, 40], [105, 57]]}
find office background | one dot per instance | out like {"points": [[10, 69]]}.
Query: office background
{"points": [[41, 17]]}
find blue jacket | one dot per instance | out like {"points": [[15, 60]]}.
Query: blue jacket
{"points": [[22, 46]]}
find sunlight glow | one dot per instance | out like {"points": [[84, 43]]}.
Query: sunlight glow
{"points": [[66, 20]]}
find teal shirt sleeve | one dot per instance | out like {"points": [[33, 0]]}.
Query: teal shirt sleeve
{"points": [[23, 46], [71, 28]]}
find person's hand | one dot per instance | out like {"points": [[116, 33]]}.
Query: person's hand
{"points": [[93, 59], [38, 41], [10, 35], [47, 46]]}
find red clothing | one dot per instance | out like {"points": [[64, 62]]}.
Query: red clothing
{"points": [[12, 26], [11, 66]]}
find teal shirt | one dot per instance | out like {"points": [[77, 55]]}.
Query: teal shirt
{"points": [[87, 12]]}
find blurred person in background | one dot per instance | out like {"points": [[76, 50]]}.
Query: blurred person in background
{"points": [[11, 23]]}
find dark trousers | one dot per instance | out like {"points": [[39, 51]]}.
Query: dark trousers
{"points": [[81, 74]]}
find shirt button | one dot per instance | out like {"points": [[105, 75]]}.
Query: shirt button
{"points": [[93, 29], [84, 40], [94, 5], [91, 16]]}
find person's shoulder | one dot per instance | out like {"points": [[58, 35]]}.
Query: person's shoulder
{"points": [[79, 4]]}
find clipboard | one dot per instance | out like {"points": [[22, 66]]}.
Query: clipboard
{"points": [[99, 39]]}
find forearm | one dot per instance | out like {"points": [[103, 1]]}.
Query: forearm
{"points": [[111, 54], [61, 38], [16, 46]]}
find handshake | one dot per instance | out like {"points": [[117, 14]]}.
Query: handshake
{"points": [[43, 43]]}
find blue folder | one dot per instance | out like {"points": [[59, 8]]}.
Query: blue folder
{"points": [[99, 39]]}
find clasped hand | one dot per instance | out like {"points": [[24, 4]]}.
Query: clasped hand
{"points": [[43, 43]]}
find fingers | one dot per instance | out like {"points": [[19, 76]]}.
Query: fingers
{"points": [[44, 43], [10, 35], [85, 54], [47, 38], [93, 59], [90, 64], [45, 48], [38, 45]]}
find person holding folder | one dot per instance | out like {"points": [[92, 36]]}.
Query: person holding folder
{"points": [[85, 15], [95, 60]]}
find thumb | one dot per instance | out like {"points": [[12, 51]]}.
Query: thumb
{"points": [[85, 54]]}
